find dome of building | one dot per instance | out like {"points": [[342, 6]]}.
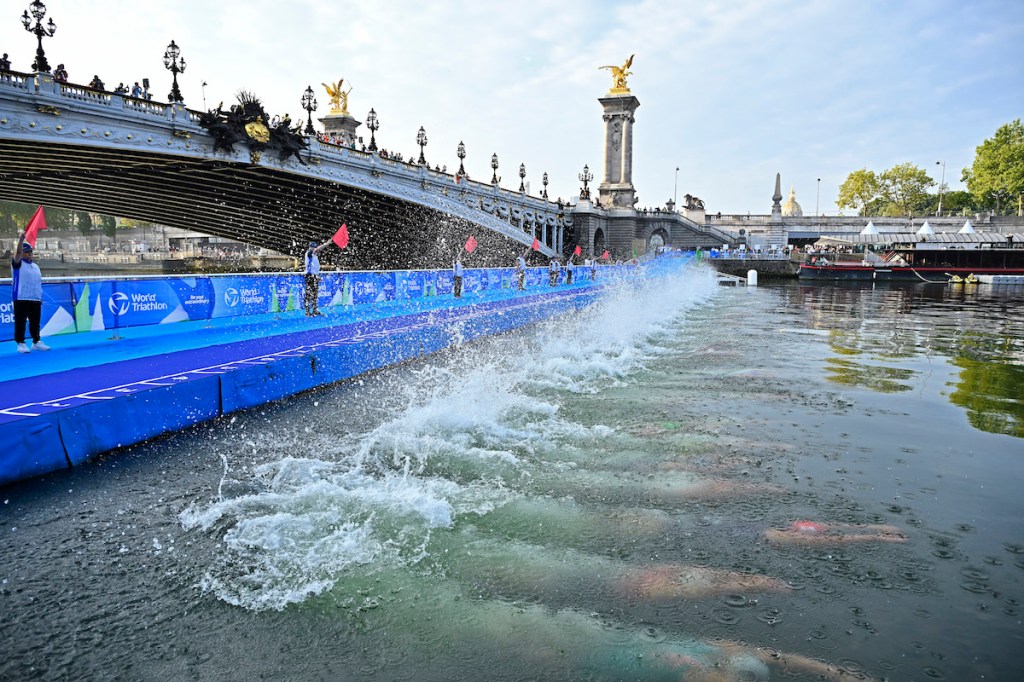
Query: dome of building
{"points": [[791, 208]]}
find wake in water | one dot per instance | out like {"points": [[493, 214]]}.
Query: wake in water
{"points": [[478, 437]]}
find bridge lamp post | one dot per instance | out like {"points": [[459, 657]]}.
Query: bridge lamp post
{"points": [[494, 169], [38, 11], [461, 153], [585, 177], [544, 181], [421, 140], [373, 124], [175, 65], [309, 104], [817, 197], [942, 183], [522, 177]]}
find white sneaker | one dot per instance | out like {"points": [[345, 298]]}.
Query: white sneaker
{"points": [[39, 345], [22, 348]]}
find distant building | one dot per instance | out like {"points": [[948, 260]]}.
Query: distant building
{"points": [[791, 209]]}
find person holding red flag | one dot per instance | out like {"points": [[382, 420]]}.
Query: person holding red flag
{"points": [[27, 296], [312, 272], [457, 275]]}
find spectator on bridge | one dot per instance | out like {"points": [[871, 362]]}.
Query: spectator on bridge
{"points": [[313, 279], [521, 271], [120, 89], [5, 63], [61, 74], [27, 296], [96, 83], [137, 90]]}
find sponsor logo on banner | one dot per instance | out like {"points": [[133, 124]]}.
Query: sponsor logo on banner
{"points": [[231, 297], [245, 296], [7, 312], [118, 303]]}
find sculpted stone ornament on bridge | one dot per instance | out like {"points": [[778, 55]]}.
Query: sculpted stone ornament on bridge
{"points": [[247, 122]]}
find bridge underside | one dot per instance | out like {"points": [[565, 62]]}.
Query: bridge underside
{"points": [[252, 204]]}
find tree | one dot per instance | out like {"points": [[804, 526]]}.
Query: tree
{"points": [[859, 191], [109, 225], [83, 221], [997, 174], [905, 189]]}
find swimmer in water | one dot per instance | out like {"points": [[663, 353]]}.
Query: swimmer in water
{"points": [[813, 533]]}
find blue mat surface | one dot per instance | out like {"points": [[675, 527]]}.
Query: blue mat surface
{"points": [[92, 394]]}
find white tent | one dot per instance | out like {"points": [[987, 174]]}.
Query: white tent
{"points": [[870, 229], [967, 228], [926, 229]]}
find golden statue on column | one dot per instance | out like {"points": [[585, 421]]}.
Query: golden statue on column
{"points": [[619, 74], [339, 97]]}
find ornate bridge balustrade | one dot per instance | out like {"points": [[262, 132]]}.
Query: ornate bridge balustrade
{"points": [[77, 148]]}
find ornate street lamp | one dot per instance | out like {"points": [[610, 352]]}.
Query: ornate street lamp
{"points": [[38, 11], [494, 168], [461, 153], [585, 177], [544, 181], [309, 104], [175, 65], [421, 140], [373, 124], [522, 177]]}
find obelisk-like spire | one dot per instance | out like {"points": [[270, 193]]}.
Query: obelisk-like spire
{"points": [[776, 200]]}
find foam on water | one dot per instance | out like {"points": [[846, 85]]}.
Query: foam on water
{"points": [[471, 426]]}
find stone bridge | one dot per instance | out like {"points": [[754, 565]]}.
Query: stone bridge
{"points": [[76, 148]]}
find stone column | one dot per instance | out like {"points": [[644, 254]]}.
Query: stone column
{"points": [[616, 190], [341, 126]]}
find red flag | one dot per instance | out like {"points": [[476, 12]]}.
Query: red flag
{"points": [[471, 244], [536, 244], [578, 250], [605, 256], [341, 236], [37, 223]]}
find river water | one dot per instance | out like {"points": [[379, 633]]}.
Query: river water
{"points": [[684, 481]]}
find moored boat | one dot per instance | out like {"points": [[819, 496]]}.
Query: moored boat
{"points": [[934, 258]]}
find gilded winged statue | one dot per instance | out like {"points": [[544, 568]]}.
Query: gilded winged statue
{"points": [[339, 97], [619, 74]]}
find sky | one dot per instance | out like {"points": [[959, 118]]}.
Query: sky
{"points": [[731, 91]]}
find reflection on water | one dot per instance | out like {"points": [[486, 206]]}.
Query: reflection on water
{"points": [[980, 329], [682, 482]]}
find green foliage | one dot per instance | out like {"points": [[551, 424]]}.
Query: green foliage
{"points": [[859, 191], [83, 221], [109, 225], [14, 216], [899, 191], [905, 187], [997, 175]]}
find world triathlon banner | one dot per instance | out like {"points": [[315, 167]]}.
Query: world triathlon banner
{"points": [[113, 304], [58, 311], [131, 303]]}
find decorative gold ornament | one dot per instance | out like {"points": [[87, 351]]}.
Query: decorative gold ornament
{"points": [[619, 74], [339, 97], [47, 109], [258, 131], [254, 156], [183, 134]]}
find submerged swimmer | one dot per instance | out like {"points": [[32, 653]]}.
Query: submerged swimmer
{"points": [[817, 533]]}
